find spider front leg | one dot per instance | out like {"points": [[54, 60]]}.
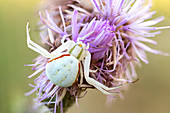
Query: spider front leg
{"points": [[96, 86], [65, 46], [93, 82], [32, 45]]}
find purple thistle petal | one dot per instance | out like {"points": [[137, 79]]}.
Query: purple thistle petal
{"points": [[118, 6], [36, 72], [74, 26], [61, 107], [96, 5], [152, 22], [46, 40], [55, 106], [32, 91], [141, 55], [143, 28], [146, 48], [165, 27], [135, 7], [61, 14], [144, 33], [50, 23], [139, 38]]}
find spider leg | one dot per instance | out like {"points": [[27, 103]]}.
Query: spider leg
{"points": [[92, 71], [65, 46], [63, 38], [32, 45], [121, 80], [51, 35], [81, 75], [81, 78], [85, 86], [106, 92], [91, 80]]}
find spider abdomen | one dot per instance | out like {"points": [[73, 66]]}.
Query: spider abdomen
{"points": [[63, 69]]}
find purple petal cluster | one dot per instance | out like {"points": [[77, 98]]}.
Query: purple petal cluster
{"points": [[131, 21], [115, 31], [131, 25]]}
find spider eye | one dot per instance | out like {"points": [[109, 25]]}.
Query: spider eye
{"points": [[80, 45]]}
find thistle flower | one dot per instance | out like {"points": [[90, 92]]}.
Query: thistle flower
{"points": [[114, 32], [79, 31], [67, 9], [129, 22]]}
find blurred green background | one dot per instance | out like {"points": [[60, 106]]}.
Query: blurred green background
{"points": [[151, 94]]}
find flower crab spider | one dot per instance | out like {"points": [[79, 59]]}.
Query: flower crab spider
{"points": [[63, 66]]}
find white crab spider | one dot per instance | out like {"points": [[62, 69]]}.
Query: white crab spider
{"points": [[63, 66]]}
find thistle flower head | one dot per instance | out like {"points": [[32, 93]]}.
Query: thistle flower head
{"points": [[78, 32], [114, 31]]}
